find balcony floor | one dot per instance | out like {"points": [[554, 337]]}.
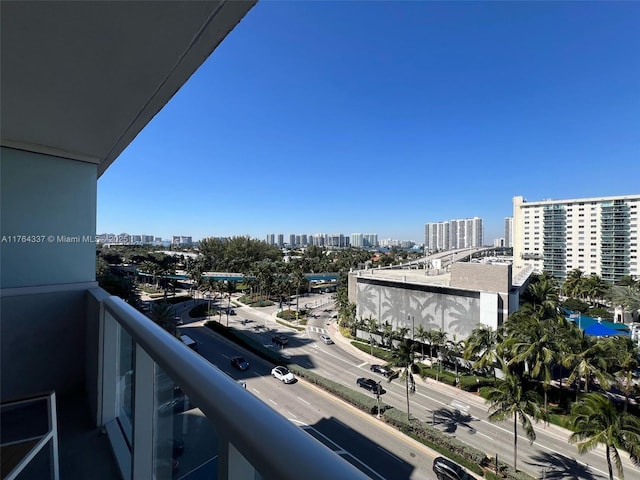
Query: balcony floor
{"points": [[85, 452]]}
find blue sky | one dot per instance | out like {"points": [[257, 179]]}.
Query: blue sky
{"points": [[377, 117]]}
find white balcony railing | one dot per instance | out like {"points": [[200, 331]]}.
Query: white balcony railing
{"points": [[233, 433]]}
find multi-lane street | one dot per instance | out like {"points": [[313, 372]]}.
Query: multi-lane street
{"points": [[379, 451]]}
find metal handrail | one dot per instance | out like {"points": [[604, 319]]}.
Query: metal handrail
{"points": [[274, 446]]}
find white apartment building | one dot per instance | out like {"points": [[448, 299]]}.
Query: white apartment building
{"points": [[596, 235], [357, 240], [452, 234], [508, 232]]}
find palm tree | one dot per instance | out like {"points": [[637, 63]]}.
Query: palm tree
{"points": [[387, 333], [572, 284], [595, 288], [431, 337], [229, 288], [162, 314], [437, 338], [628, 297], [482, 345], [403, 357], [421, 335], [623, 357], [543, 294], [455, 348], [589, 362], [509, 399], [596, 421], [372, 327], [538, 350]]}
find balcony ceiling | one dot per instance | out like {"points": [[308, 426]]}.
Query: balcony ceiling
{"points": [[81, 79]]}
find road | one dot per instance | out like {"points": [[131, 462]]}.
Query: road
{"points": [[452, 410], [376, 449]]}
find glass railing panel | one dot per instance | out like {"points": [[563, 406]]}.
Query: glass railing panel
{"points": [[185, 441], [125, 383]]}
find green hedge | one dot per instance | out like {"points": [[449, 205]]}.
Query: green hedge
{"points": [[468, 383], [255, 301], [381, 353]]}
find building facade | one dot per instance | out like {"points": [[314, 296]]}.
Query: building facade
{"points": [[596, 235], [452, 234], [471, 294], [508, 232]]}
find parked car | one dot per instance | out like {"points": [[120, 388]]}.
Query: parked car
{"points": [[326, 339], [446, 469], [382, 370], [371, 385], [280, 340], [283, 374], [240, 363]]}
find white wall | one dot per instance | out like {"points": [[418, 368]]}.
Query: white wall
{"points": [[47, 199]]}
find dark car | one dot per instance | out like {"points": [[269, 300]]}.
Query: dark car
{"points": [[280, 340], [445, 469], [382, 370], [370, 384], [240, 363]]}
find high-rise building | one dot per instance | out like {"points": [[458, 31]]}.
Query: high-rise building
{"points": [[271, 239], [595, 235], [357, 240], [370, 239], [281, 240], [292, 239], [453, 234], [508, 232]]}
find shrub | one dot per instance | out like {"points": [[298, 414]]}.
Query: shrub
{"points": [[575, 305], [472, 383], [600, 312], [377, 351], [287, 315]]}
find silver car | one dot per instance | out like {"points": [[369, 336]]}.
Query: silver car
{"points": [[326, 339]]}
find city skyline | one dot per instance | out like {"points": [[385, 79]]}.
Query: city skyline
{"points": [[380, 116]]}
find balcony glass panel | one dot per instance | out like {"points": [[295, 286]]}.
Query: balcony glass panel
{"points": [[125, 383], [185, 441]]}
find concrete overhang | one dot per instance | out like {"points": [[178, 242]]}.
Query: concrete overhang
{"points": [[81, 79]]}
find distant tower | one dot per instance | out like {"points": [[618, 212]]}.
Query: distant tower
{"points": [[508, 232]]}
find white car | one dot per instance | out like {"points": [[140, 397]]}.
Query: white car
{"points": [[283, 374], [326, 339]]}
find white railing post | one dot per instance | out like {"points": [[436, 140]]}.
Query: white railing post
{"points": [[143, 428]]}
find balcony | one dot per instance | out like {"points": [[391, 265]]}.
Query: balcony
{"points": [[163, 411]]}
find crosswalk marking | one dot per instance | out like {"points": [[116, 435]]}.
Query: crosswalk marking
{"points": [[316, 329]]}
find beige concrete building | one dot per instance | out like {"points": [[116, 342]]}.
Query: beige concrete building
{"points": [[596, 235], [454, 302]]}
